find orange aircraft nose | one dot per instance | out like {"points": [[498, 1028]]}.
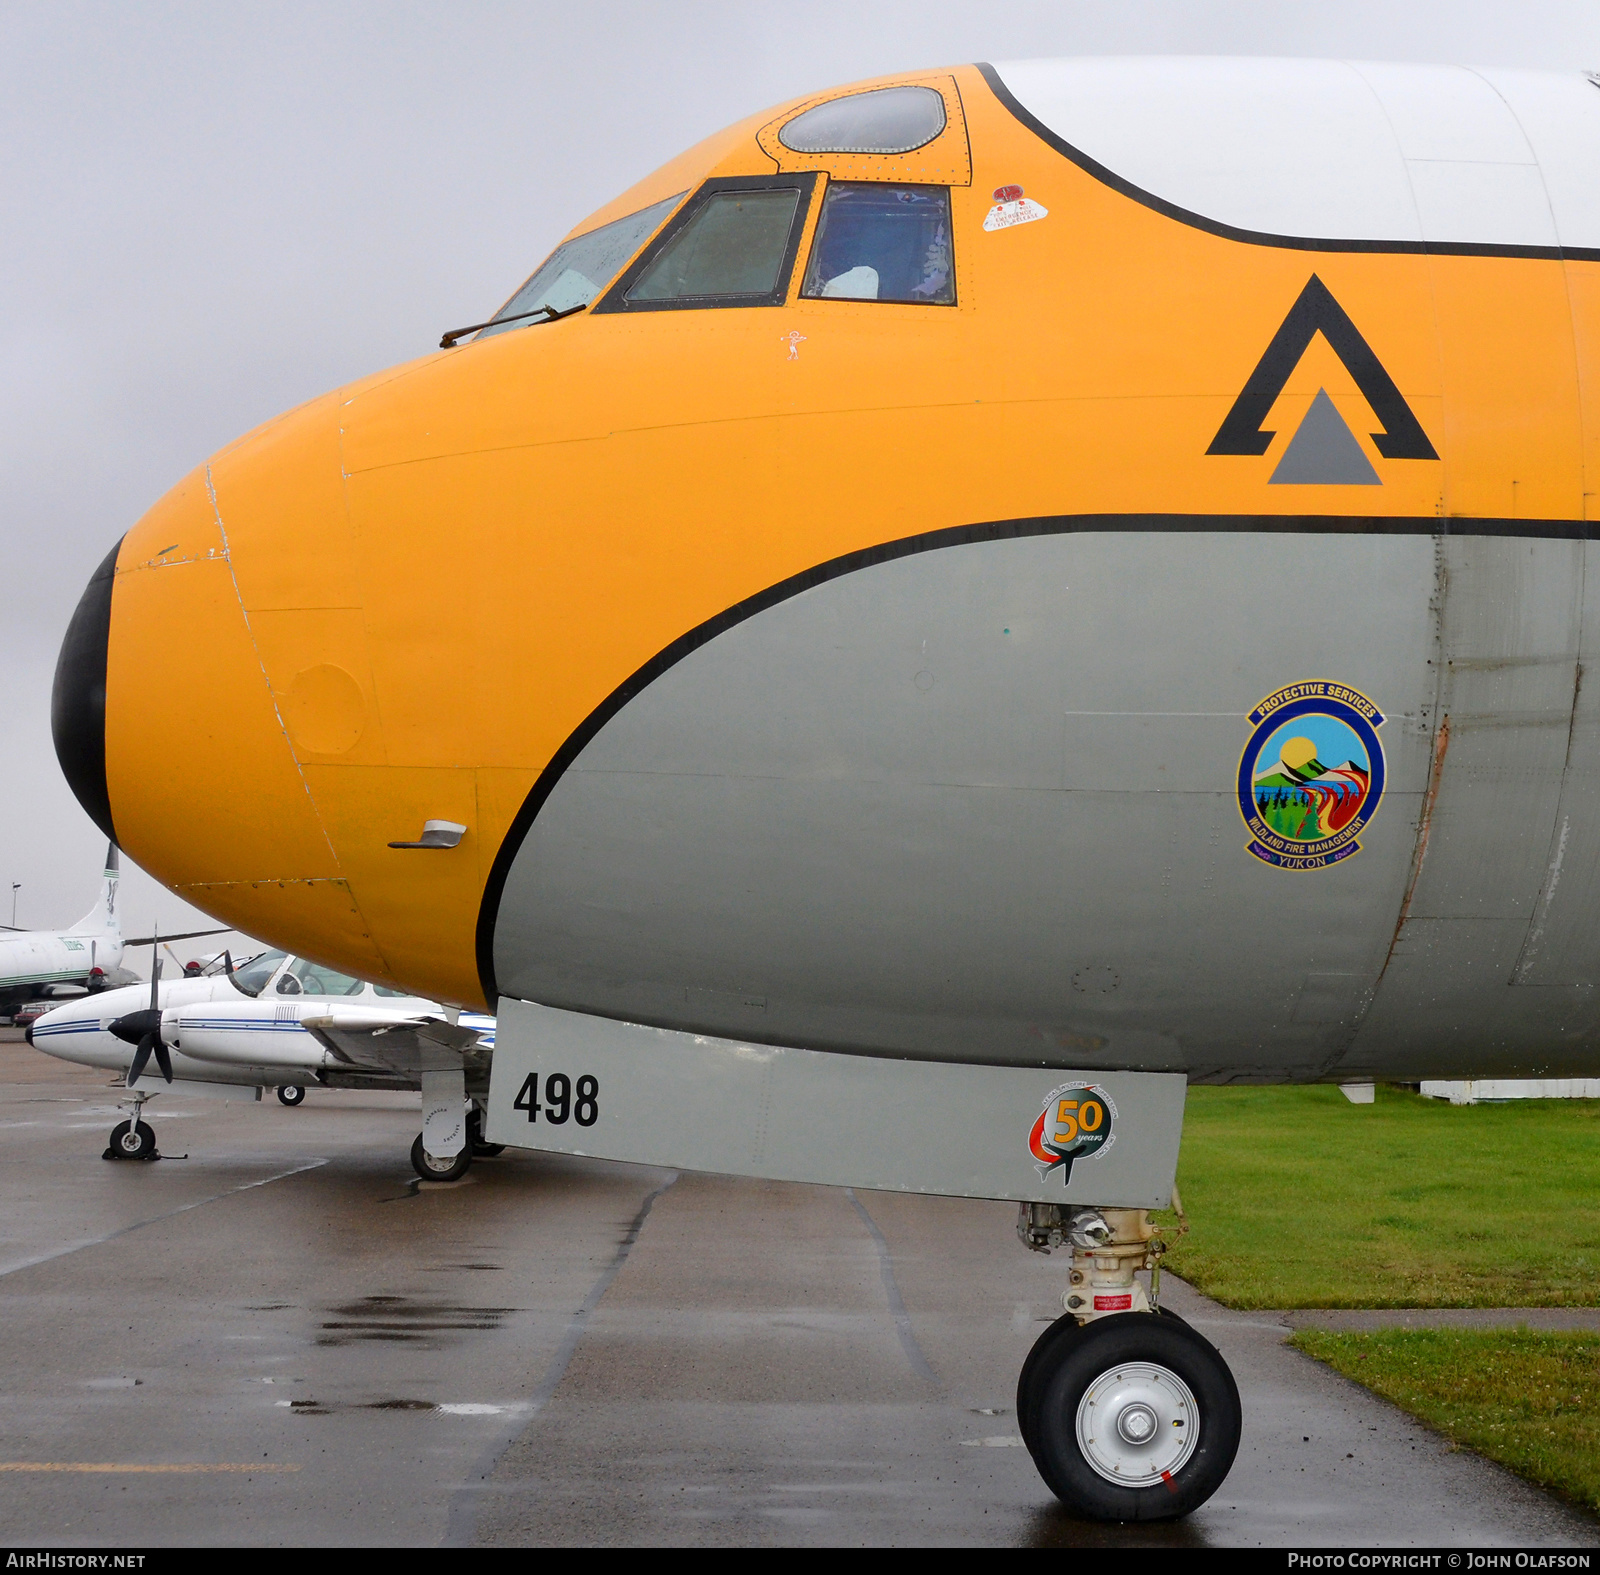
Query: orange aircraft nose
{"points": [[215, 713]]}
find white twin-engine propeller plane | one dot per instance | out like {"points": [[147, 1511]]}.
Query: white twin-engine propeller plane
{"points": [[282, 1022]]}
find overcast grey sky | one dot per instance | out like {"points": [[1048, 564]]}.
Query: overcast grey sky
{"points": [[212, 212]]}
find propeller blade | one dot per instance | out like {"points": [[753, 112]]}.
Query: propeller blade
{"points": [[186, 935], [141, 1056], [163, 1060], [155, 976]]}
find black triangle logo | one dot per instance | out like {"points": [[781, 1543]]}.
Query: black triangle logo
{"points": [[1315, 312]]}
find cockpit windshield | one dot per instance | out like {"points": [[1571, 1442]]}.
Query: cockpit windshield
{"points": [[304, 977], [252, 976], [578, 270]]}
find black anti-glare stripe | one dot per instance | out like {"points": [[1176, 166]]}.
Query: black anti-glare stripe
{"points": [[929, 541], [1305, 243]]}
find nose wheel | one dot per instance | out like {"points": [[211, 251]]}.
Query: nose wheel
{"points": [[291, 1094], [1130, 1417], [131, 1140]]}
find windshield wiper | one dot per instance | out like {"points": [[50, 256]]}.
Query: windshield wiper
{"points": [[549, 313]]}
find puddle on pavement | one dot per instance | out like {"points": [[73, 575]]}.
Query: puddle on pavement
{"points": [[406, 1320], [446, 1408]]}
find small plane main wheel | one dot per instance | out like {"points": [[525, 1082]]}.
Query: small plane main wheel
{"points": [[480, 1149], [1135, 1418], [291, 1094], [440, 1170], [131, 1141]]}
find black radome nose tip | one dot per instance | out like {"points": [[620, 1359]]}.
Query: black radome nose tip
{"points": [[78, 700]]}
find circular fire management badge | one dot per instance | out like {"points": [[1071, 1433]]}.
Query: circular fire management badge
{"points": [[1311, 775]]}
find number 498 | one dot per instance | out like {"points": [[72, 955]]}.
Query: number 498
{"points": [[559, 1102]]}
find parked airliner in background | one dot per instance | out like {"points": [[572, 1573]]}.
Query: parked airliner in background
{"points": [[50, 963], [274, 1021], [59, 964]]}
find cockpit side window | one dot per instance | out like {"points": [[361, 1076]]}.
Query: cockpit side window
{"points": [[883, 243], [579, 269], [308, 978], [251, 977], [732, 244]]}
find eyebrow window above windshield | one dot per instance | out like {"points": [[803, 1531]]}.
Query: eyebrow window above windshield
{"points": [[578, 270], [883, 243], [882, 120]]}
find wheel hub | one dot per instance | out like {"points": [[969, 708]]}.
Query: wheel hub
{"points": [[1138, 1424]]}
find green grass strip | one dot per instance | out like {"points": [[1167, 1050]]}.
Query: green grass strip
{"points": [[1300, 1199], [1530, 1401]]}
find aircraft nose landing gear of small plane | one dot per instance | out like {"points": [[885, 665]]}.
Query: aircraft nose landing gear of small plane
{"points": [[1128, 1413], [132, 1139], [291, 1094]]}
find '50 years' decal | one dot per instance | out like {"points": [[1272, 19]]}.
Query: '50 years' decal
{"points": [[1075, 1123]]}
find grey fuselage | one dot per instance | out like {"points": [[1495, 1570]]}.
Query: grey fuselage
{"points": [[979, 803]]}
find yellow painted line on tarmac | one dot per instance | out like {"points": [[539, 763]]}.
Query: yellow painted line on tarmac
{"points": [[83, 1465]]}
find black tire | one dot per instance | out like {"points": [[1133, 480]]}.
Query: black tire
{"points": [[1028, 1392], [480, 1149], [131, 1142], [1062, 1377], [429, 1170], [291, 1094]]}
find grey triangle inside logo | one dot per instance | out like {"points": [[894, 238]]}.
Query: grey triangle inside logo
{"points": [[1324, 452]]}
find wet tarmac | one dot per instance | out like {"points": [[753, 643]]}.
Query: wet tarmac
{"points": [[285, 1339]]}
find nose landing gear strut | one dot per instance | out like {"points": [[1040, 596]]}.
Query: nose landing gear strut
{"points": [[1128, 1413], [132, 1139]]}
